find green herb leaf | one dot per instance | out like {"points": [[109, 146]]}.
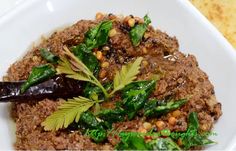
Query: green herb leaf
{"points": [[97, 135], [192, 137], [91, 89], [193, 121], [165, 108], [127, 74], [95, 128], [147, 20], [131, 141], [87, 58], [112, 115], [98, 35], [196, 139], [67, 112], [165, 132], [92, 63], [95, 37], [37, 75], [80, 50], [88, 120], [47, 55], [163, 144], [64, 67], [79, 72], [150, 106], [137, 32], [135, 96]]}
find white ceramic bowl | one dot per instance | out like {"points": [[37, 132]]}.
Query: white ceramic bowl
{"points": [[33, 18]]}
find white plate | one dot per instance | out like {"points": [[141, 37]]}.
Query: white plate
{"points": [[27, 22]]}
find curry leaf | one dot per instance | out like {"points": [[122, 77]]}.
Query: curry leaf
{"points": [[163, 144], [196, 139], [91, 89], [88, 120], [192, 137], [193, 121], [164, 108], [150, 106], [98, 35], [147, 20], [47, 55], [127, 74], [94, 37], [37, 75], [97, 135], [112, 115], [95, 129], [136, 94], [67, 112], [137, 32], [131, 141]]}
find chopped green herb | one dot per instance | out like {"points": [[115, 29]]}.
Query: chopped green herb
{"points": [[164, 108], [163, 144], [80, 51], [98, 35], [150, 106], [137, 32], [91, 89], [147, 20], [112, 115], [95, 37], [88, 120], [165, 132], [97, 135], [47, 55], [135, 96], [131, 141], [193, 121], [37, 75], [192, 137]]}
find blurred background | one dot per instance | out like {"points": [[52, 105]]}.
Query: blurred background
{"points": [[221, 13]]}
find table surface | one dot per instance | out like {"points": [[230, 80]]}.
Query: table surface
{"points": [[222, 13]]}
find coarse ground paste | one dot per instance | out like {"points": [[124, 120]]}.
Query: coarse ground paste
{"points": [[180, 77]]}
